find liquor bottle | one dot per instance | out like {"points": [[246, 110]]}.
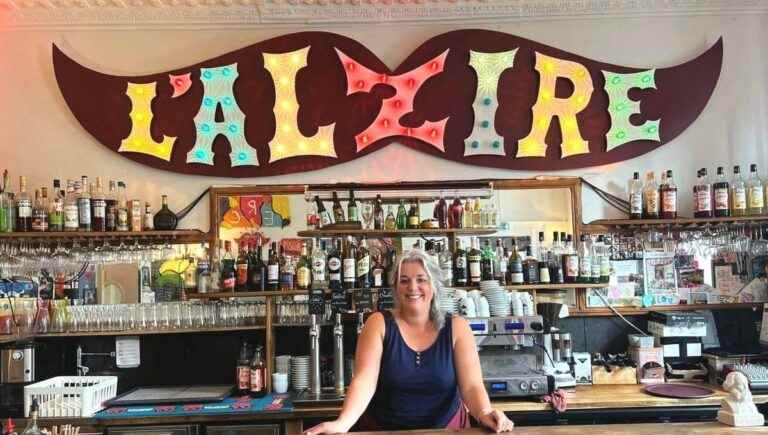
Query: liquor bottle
{"points": [[273, 269], [123, 224], [721, 189], [98, 208], [32, 428], [477, 214], [165, 219], [39, 214], [338, 210], [228, 272], [570, 261], [459, 265], [363, 264], [530, 267], [149, 220], [738, 194], [243, 371], [486, 262], [352, 212], [455, 214], [669, 198], [257, 269], [555, 266], [241, 268], [71, 218], [203, 272], [334, 266], [596, 252], [215, 279], [544, 277], [466, 216], [378, 272], [111, 207], [502, 255], [84, 204], [413, 215], [702, 196], [304, 269], [55, 208], [445, 261], [441, 212], [515, 266], [319, 261], [402, 216], [585, 261], [325, 217], [287, 279], [348, 264], [190, 274], [635, 197], [473, 261], [378, 213], [755, 198], [23, 207], [7, 222], [650, 197], [258, 375], [605, 261], [390, 224]]}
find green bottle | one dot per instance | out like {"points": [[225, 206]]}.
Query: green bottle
{"points": [[402, 216]]}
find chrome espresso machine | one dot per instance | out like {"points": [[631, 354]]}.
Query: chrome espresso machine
{"points": [[512, 356]]}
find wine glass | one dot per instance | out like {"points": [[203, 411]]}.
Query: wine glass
{"points": [[367, 213]]}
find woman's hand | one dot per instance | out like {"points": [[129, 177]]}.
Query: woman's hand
{"points": [[494, 420], [328, 427]]}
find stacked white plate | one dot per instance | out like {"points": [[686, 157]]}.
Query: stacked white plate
{"points": [[447, 300], [498, 301], [283, 365], [300, 372]]}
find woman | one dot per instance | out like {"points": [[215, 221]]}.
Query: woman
{"points": [[415, 366]]}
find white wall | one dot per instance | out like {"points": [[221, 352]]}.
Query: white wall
{"points": [[40, 138]]}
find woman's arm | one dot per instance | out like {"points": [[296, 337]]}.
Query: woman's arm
{"points": [[363, 385], [470, 377]]}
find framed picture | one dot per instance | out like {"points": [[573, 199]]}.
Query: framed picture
{"points": [[660, 277]]}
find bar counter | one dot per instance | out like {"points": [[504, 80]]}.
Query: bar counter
{"points": [[602, 429]]}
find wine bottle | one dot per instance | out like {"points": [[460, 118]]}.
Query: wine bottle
{"points": [[165, 219]]}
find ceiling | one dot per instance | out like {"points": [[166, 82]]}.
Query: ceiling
{"points": [[25, 14]]}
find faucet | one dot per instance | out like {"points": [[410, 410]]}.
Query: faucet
{"points": [[338, 354], [314, 358], [82, 370]]}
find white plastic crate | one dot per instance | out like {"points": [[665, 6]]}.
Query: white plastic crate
{"points": [[70, 396]]}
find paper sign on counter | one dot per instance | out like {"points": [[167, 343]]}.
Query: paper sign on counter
{"points": [[128, 352]]}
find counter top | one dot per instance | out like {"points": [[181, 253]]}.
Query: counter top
{"points": [[604, 429]]}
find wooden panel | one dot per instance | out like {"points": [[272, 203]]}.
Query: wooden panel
{"points": [[603, 429], [150, 332], [685, 307]]}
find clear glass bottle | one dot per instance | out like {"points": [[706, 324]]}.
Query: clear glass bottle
{"points": [[390, 224], [32, 428], [702, 196], [738, 194], [542, 255], [319, 260], [84, 205], [477, 214], [466, 217], [585, 261], [570, 261], [635, 197], [304, 269], [258, 375], [40, 212], [111, 207], [23, 207], [650, 197], [755, 198], [123, 222], [500, 264], [71, 215]]}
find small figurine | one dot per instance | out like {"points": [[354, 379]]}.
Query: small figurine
{"points": [[738, 409]]}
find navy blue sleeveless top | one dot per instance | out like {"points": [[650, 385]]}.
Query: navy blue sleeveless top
{"points": [[416, 390]]}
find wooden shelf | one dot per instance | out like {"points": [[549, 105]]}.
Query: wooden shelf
{"points": [[176, 236], [399, 233], [151, 332], [633, 311], [604, 225]]}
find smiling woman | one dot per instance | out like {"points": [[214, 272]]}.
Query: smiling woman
{"points": [[416, 368]]}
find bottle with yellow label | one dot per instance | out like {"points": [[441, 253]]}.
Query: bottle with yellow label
{"points": [[755, 199], [738, 194], [304, 269]]}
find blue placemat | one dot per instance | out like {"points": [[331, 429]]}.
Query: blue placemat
{"points": [[271, 403]]}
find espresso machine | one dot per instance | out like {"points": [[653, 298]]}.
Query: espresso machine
{"points": [[558, 361], [511, 356], [17, 369]]}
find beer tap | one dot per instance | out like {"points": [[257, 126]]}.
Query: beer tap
{"points": [[314, 346], [338, 354], [360, 322]]}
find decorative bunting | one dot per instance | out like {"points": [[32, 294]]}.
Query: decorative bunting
{"points": [[407, 85], [548, 105], [288, 140], [488, 67], [218, 84], [140, 140], [620, 108]]}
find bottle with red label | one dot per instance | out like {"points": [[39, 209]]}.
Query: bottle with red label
{"points": [[702, 196], [669, 198], [241, 269], [721, 192], [243, 371], [258, 374]]}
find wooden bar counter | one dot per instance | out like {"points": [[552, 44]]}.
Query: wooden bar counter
{"points": [[603, 429]]}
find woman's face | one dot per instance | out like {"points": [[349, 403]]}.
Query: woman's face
{"points": [[414, 289]]}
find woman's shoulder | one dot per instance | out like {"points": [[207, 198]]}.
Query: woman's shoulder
{"points": [[460, 328], [376, 322]]}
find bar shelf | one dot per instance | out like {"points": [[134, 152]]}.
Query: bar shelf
{"points": [[175, 236]]}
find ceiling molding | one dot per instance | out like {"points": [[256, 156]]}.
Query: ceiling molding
{"points": [[37, 14]]}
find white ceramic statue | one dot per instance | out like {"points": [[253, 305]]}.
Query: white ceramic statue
{"points": [[738, 409]]}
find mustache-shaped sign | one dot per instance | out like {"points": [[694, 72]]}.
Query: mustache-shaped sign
{"points": [[309, 100]]}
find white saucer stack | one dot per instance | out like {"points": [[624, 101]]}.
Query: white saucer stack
{"points": [[498, 300]]}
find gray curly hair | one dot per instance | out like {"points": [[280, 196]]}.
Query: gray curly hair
{"points": [[435, 275]]}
